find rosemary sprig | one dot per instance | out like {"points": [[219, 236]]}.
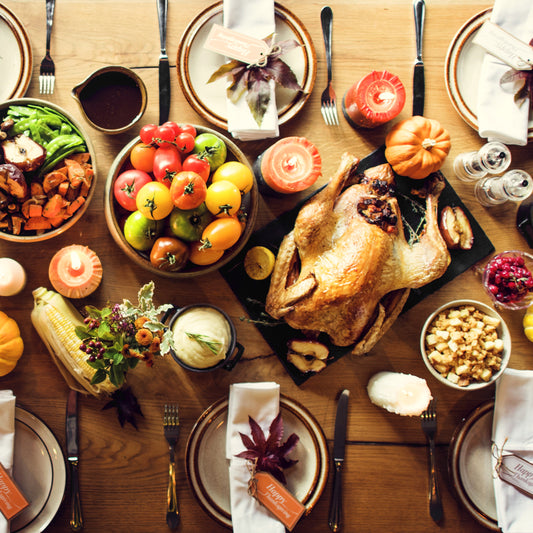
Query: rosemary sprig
{"points": [[206, 341]]}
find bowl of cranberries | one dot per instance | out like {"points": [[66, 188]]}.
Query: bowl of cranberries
{"points": [[508, 279]]}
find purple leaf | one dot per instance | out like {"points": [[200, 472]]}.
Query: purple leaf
{"points": [[257, 434], [258, 98], [247, 441]]}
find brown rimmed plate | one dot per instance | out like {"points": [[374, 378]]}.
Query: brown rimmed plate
{"points": [[207, 467], [16, 59], [470, 466], [196, 64], [462, 68]]}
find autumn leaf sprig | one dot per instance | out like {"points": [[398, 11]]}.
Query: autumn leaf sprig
{"points": [[520, 83]]}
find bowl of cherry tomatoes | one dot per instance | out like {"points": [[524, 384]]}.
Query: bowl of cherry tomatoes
{"points": [[180, 200]]}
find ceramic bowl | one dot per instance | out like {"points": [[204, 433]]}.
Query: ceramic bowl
{"points": [[491, 279], [35, 236], [503, 333], [115, 215], [233, 353]]}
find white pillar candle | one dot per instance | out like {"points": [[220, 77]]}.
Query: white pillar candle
{"points": [[12, 277]]}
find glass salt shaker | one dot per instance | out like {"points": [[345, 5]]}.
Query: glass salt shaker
{"points": [[492, 158], [515, 186]]}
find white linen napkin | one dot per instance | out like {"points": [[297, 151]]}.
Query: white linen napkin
{"points": [[513, 420], [499, 118], [261, 402], [7, 439], [256, 19]]}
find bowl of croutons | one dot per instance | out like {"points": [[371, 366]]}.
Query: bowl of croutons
{"points": [[465, 344]]}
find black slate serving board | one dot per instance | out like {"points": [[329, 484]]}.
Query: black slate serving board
{"points": [[252, 294]]}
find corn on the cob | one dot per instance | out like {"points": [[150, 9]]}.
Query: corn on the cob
{"points": [[55, 320]]}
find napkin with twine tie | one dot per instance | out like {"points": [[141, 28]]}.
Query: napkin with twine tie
{"points": [[512, 433], [261, 402], [499, 117], [7, 439], [257, 19]]}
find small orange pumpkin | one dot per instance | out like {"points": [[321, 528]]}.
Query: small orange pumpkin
{"points": [[416, 147], [11, 345]]}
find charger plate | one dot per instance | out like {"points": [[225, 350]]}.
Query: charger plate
{"points": [[208, 469]]}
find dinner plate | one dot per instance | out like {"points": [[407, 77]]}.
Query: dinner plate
{"points": [[462, 70], [39, 470], [16, 60], [195, 65], [470, 465], [207, 466]]}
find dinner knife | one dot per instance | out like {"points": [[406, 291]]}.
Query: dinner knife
{"points": [[419, 88], [164, 68], [71, 430], [335, 510]]}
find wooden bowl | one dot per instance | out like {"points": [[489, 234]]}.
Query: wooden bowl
{"points": [[114, 214], [69, 222]]}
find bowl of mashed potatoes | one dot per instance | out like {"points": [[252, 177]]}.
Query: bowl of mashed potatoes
{"points": [[204, 338]]}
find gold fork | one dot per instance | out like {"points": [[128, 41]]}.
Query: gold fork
{"points": [[171, 427]]}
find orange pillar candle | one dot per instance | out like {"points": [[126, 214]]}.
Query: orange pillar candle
{"points": [[374, 100], [75, 271]]}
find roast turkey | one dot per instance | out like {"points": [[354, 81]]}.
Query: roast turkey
{"points": [[348, 254]]}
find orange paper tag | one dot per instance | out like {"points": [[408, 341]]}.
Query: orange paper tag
{"points": [[236, 45], [277, 499], [12, 501]]}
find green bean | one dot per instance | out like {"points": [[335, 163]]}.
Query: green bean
{"points": [[61, 141]]}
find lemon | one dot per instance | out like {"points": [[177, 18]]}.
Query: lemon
{"points": [[259, 262], [527, 323]]}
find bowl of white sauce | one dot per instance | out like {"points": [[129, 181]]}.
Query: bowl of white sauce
{"points": [[204, 338]]}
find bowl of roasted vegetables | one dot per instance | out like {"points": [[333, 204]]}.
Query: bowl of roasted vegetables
{"points": [[46, 170]]}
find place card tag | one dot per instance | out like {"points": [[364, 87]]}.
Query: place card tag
{"points": [[236, 45], [516, 471], [501, 44], [276, 498], [12, 501]]}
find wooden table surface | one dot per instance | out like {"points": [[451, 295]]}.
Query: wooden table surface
{"points": [[123, 472]]}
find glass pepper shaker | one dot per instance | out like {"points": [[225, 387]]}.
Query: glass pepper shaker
{"points": [[492, 158], [514, 186]]}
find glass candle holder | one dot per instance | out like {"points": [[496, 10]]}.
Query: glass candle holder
{"points": [[492, 158], [514, 186]]}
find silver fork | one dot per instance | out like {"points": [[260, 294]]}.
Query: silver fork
{"points": [[47, 76], [171, 427], [429, 427], [328, 100]]}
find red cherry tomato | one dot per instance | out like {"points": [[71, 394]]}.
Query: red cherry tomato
{"points": [[188, 190], [164, 135], [167, 161], [185, 142], [188, 128], [142, 157], [197, 163], [175, 127], [147, 133], [127, 185]]}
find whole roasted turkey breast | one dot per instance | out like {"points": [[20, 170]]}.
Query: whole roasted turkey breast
{"points": [[346, 268]]}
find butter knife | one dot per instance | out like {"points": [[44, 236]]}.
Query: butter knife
{"points": [[339, 441], [71, 430], [419, 88], [164, 68]]}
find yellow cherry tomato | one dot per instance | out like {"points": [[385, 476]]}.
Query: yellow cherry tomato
{"points": [[154, 200], [223, 198], [222, 233], [236, 172], [201, 256]]}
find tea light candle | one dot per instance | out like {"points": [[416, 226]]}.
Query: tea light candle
{"points": [[12, 277], [75, 271], [375, 99]]}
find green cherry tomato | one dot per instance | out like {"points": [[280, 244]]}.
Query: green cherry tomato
{"points": [[141, 232], [211, 147], [189, 224]]}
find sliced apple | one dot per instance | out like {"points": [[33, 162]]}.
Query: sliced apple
{"points": [[455, 228]]}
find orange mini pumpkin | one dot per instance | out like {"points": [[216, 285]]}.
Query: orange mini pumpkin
{"points": [[11, 345], [416, 147]]}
